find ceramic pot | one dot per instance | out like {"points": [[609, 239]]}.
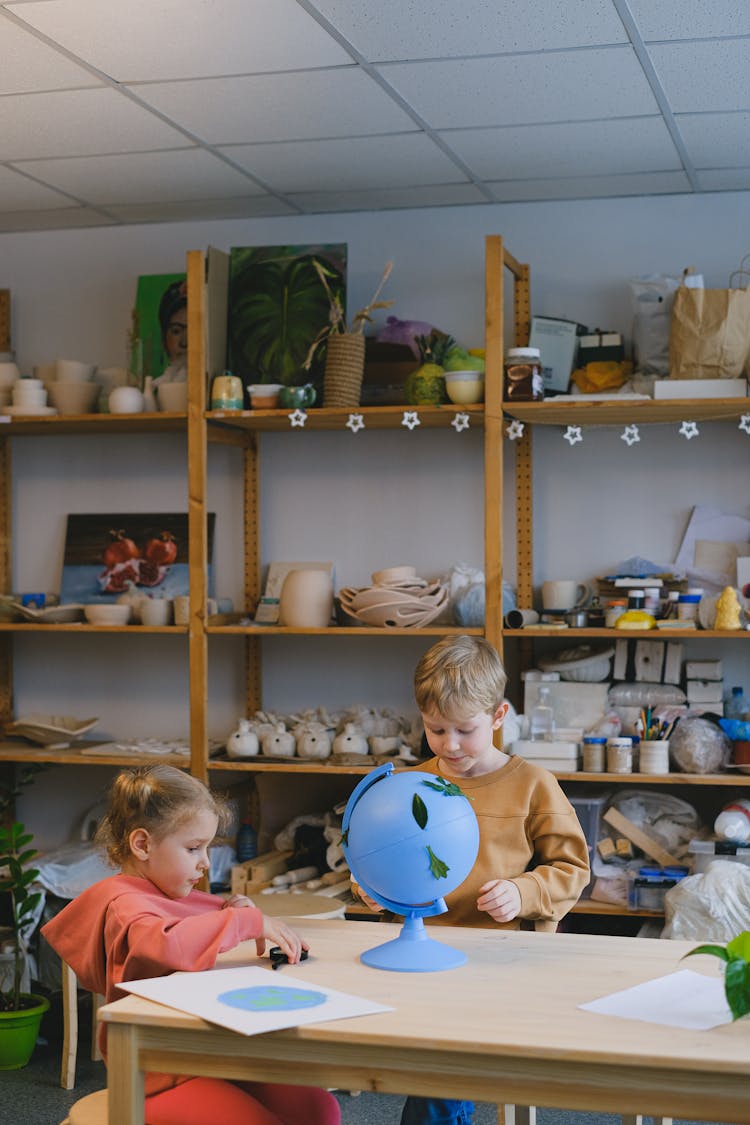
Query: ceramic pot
{"points": [[297, 398], [126, 400], [306, 599], [227, 393]]}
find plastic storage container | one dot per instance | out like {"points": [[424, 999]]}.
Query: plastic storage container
{"points": [[705, 852], [648, 887]]}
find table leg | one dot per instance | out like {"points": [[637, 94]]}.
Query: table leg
{"points": [[125, 1082]]}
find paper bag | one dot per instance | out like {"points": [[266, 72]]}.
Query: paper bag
{"points": [[709, 334]]}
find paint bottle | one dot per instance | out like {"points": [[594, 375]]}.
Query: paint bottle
{"points": [[247, 842]]}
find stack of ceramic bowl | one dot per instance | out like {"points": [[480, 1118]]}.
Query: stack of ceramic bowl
{"points": [[74, 390], [29, 397], [398, 598]]}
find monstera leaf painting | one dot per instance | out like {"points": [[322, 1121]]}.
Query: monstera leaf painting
{"points": [[278, 307]]}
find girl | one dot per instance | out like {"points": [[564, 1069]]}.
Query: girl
{"points": [[150, 920]]}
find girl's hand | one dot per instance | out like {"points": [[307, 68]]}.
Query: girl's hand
{"points": [[501, 899], [237, 900], [278, 933]]}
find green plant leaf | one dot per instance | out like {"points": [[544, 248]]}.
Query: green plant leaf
{"points": [[737, 987], [712, 950], [438, 868], [739, 946], [419, 811]]}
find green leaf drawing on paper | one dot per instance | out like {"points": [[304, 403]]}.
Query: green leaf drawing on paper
{"points": [[419, 810], [438, 868]]}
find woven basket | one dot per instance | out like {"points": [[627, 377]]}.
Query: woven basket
{"points": [[345, 365]]}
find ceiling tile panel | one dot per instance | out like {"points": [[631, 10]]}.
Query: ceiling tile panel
{"points": [[69, 218], [356, 163], [724, 179], [699, 77], [422, 29], [593, 147], [716, 140], [281, 107], [591, 187], [145, 177], [193, 210], [18, 193], [139, 40], [78, 122], [690, 19], [27, 64], [558, 86], [431, 195]]}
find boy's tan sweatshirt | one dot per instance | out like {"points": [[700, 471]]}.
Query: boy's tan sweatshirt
{"points": [[528, 833]]}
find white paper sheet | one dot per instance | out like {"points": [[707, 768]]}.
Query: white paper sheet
{"points": [[682, 999], [252, 1000], [707, 522]]}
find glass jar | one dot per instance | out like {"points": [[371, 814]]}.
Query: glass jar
{"points": [[594, 753], [613, 610], [619, 755], [524, 381]]}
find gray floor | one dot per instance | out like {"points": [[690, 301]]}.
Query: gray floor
{"points": [[33, 1096]]}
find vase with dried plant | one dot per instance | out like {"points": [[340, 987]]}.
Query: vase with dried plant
{"points": [[345, 344]]}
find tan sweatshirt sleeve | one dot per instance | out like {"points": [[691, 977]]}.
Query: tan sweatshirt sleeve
{"points": [[561, 860]]}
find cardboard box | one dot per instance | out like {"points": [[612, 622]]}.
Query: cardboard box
{"points": [[557, 341], [700, 388]]}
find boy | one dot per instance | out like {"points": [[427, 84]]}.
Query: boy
{"points": [[533, 860]]}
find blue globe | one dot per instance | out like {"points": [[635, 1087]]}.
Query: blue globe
{"points": [[410, 838]]}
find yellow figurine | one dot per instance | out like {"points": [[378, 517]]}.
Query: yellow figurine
{"points": [[727, 610]]}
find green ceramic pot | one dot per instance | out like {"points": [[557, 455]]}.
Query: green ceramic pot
{"points": [[297, 398], [19, 1032]]}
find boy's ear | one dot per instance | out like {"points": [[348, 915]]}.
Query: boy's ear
{"points": [[499, 716], [140, 843]]}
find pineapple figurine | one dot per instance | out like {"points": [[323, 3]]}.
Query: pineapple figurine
{"points": [[426, 385]]}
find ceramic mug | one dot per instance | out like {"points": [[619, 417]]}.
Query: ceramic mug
{"points": [[562, 594], [227, 393], [297, 398], [155, 611], [306, 600]]}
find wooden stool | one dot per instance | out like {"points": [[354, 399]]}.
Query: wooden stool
{"points": [[91, 1110], [70, 1027]]}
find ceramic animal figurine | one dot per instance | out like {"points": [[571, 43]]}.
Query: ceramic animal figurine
{"points": [[351, 741], [243, 742], [728, 610], [278, 743], [313, 741]]}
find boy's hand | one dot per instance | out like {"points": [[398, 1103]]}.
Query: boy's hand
{"points": [[370, 903], [501, 899], [278, 933]]}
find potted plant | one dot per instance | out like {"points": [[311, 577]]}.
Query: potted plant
{"points": [[736, 955], [20, 1012], [345, 343]]}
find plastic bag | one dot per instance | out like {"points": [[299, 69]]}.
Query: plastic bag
{"points": [[652, 300], [699, 746], [711, 906]]}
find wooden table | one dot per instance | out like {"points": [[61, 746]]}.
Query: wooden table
{"points": [[503, 1028]]}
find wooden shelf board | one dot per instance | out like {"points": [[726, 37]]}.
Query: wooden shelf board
{"points": [[736, 780], [568, 411], [590, 906], [628, 634], [335, 418], [257, 765], [11, 751], [339, 631], [92, 424], [83, 627]]}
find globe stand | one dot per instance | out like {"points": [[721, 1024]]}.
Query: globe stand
{"points": [[413, 951]]}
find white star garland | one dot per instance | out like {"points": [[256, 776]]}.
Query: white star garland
{"points": [[573, 434], [298, 418], [630, 435], [515, 430], [460, 422], [689, 430], [744, 423], [355, 423], [410, 419]]}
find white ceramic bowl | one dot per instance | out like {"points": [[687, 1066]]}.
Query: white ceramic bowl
{"points": [[464, 387], [74, 398], [110, 614]]}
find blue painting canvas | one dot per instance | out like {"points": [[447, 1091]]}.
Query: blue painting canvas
{"points": [[107, 555]]}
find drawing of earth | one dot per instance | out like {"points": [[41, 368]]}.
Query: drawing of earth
{"points": [[270, 998]]}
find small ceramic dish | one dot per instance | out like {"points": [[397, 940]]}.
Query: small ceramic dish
{"points": [[394, 574], [53, 615], [48, 730]]}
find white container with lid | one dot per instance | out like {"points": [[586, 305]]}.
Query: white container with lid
{"points": [[524, 381]]}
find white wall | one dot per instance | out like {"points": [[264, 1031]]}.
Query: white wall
{"points": [[365, 500]]}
